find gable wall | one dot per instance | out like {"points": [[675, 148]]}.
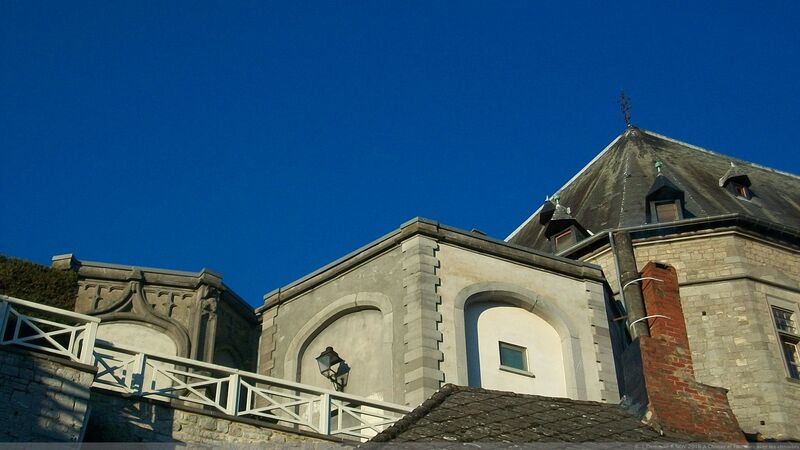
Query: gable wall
{"points": [[417, 290], [578, 305]]}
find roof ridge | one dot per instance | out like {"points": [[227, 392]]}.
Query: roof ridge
{"points": [[711, 152], [606, 149]]}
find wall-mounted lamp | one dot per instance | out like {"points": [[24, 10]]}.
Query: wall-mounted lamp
{"points": [[334, 368]]}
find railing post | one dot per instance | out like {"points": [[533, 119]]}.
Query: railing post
{"points": [[136, 376], [4, 306], [234, 387], [325, 414], [87, 349]]}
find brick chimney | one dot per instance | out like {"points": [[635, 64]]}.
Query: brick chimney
{"points": [[659, 376]]}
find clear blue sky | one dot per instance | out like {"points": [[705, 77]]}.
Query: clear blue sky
{"points": [[264, 140]]}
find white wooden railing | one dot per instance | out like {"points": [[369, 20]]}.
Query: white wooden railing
{"points": [[233, 392], [74, 340], [242, 394]]}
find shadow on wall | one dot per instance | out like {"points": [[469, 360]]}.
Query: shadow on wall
{"points": [[43, 400], [118, 420], [473, 350]]}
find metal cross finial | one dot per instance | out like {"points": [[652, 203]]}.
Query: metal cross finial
{"points": [[626, 107], [658, 166]]}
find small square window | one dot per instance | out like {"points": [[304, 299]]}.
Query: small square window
{"points": [[513, 356], [564, 240], [666, 211]]}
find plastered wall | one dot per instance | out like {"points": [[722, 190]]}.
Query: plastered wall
{"points": [[404, 309]]}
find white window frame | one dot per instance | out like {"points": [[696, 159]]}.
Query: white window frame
{"points": [[526, 363], [784, 336]]}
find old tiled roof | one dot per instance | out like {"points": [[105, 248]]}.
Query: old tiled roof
{"points": [[466, 414], [610, 192]]}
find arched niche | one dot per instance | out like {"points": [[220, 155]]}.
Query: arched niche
{"points": [[490, 325], [359, 328], [138, 336], [353, 336], [142, 337], [544, 308]]}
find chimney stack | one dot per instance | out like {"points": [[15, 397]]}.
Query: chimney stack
{"points": [[659, 376]]}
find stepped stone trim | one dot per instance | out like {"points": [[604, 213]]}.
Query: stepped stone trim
{"points": [[267, 344], [601, 338], [421, 319]]}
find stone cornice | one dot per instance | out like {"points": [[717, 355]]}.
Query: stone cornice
{"points": [[442, 234], [153, 276], [773, 232]]}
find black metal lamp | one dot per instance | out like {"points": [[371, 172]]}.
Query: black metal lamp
{"points": [[334, 368]]}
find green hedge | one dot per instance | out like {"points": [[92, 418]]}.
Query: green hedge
{"points": [[37, 283]]}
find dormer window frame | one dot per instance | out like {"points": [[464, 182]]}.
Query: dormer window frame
{"points": [[569, 233], [742, 191], [739, 187], [654, 204], [664, 192]]}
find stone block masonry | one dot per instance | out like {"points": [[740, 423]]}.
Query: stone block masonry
{"points": [[421, 301], [43, 399], [118, 419]]}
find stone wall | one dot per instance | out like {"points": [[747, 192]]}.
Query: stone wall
{"points": [[727, 281], [414, 288], [203, 317], [119, 419], [43, 399]]}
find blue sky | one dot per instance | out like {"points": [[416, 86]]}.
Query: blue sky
{"points": [[264, 140]]}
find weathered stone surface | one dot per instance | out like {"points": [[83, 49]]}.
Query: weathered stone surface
{"points": [[727, 281], [118, 419], [49, 406]]}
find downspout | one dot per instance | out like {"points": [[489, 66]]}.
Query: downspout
{"points": [[631, 292], [616, 265]]}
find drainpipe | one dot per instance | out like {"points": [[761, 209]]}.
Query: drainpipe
{"points": [[622, 247]]}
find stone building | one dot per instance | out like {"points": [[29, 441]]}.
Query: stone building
{"points": [[173, 313], [551, 311], [731, 229], [429, 304]]}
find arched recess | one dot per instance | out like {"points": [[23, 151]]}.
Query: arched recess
{"points": [[133, 309], [545, 308], [138, 335], [374, 304]]}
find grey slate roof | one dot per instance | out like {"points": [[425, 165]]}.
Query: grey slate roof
{"points": [[466, 414], [610, 192]]}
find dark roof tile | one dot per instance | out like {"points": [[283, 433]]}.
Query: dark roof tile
{"points": [[610, 192], [494, 416]]}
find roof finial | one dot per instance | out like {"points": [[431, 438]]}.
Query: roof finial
{"points": [[556, 198], [626, 107], [658, 166]]}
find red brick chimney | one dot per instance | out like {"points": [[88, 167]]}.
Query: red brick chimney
{"points": [[664, 382]]}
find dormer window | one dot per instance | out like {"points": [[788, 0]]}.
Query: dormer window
{"points": [[664, 200], [562, 230], [666, 211], [737, 182], [741, 191], [564, 240]]}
